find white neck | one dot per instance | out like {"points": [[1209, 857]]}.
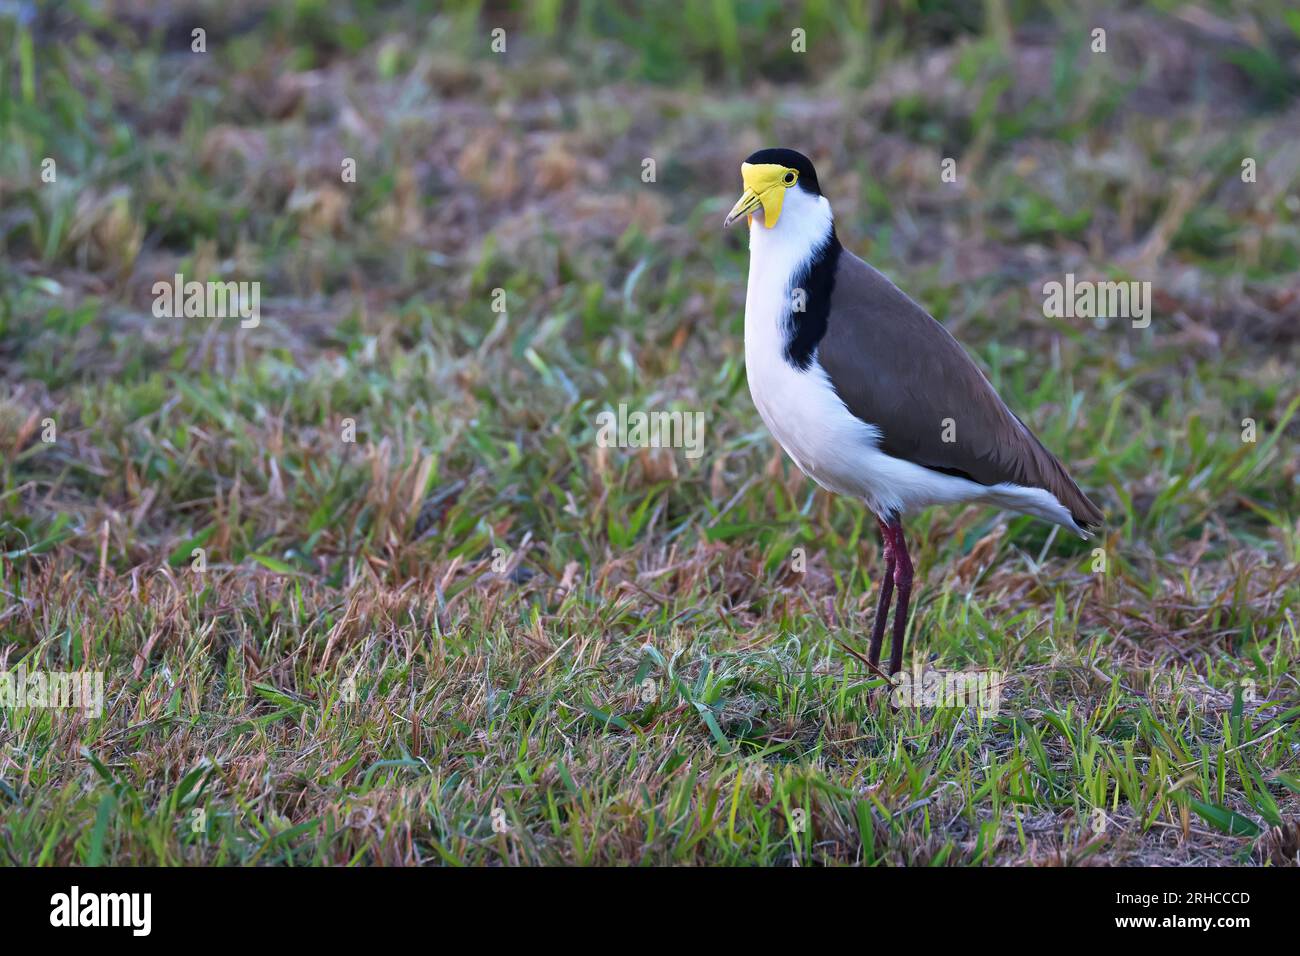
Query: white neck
{"points": [[804, 224], [778, 257]]}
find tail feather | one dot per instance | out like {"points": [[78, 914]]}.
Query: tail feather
{"points": [[1082, 509]]}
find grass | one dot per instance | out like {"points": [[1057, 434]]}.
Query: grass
{"points": [[472, 636]]}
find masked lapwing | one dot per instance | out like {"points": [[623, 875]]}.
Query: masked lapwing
{"points": [[868, 394]]}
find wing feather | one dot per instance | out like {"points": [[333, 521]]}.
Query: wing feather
{"points": [[894, 366]]}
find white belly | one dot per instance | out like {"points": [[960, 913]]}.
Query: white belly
{"points": [[800, 408]]}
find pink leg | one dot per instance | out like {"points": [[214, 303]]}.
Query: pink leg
{"points": [[886, 592], [903, 579]]}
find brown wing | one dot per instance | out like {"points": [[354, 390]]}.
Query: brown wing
{"points": [[898, 369]]}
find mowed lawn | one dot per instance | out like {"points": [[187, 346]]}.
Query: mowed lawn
{"points": [[435, 621]]}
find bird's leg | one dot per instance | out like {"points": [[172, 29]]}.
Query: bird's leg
{"points": [[903, 578], [886, 592]]}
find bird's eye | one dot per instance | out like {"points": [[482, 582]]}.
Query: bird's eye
{"points": [[790, 177]]}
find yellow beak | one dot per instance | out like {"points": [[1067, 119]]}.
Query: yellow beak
{"points": [[764, 186]]}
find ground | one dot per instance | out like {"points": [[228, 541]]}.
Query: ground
{"points": [[475, 635]]}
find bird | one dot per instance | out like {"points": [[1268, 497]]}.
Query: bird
{"points": [[871, 396]]}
